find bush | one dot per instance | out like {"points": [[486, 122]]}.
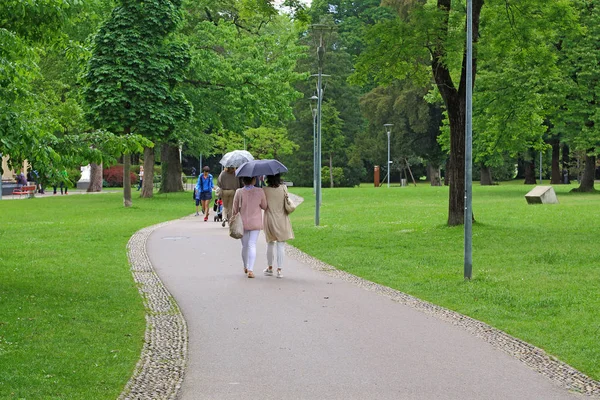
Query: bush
{"points": [[74, 175], [338, 176], [114, 176]]}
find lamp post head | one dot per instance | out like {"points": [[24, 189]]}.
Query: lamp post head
{"points": [[388, 128], [313, 100]]}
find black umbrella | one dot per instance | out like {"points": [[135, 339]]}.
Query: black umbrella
{"points": [[260, 167]]}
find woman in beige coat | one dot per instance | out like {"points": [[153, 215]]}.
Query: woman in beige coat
{"points": [[277, 225]]}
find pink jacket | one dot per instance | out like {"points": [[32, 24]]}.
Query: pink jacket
{"points": [[252, 201]]}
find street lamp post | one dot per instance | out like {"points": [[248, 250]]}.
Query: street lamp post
{"points": [[388, 129], [468, 216], [314, 115], [319, 29]]}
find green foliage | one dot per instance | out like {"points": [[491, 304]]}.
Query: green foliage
{"points": [[338, 176], [242, 69], [262, 143], [578, 120], [134, 71], [73, 176], [517, 75]]}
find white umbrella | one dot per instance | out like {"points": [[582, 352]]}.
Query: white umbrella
{"points": [[236, 158]]}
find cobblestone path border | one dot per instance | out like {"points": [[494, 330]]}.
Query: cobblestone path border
{"points": [[160, 371], [557, 371]]}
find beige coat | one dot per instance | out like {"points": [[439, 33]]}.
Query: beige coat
{"points": [[276, 222]]}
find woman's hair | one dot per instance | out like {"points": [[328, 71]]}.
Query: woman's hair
{"points": [[274, 180], [206, 169], [247, 180]]}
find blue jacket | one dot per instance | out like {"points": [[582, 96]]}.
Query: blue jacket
{"points": [[204, 185]]}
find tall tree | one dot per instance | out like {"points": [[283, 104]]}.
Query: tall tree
{"points": [[241, 75], [430, 32], [133, 74], [579, 120]]}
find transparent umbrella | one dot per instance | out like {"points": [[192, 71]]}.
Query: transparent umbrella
{"points": [[236, 158], [261, 167]]}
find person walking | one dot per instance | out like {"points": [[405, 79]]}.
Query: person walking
{"points": [[204, 189], [277, 225], [248, 202], [141, 178], [228, 183], [64, 178]]}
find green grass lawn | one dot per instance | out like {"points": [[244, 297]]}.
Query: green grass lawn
{"points": [[536, 268], [71, 319]]}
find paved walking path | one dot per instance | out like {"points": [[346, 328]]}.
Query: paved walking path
{"points": [[311, 335]]}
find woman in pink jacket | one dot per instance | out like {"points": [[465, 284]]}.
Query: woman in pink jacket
{"points": [[248, 202]]}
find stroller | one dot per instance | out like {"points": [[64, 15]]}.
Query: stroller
{"points": [[218, 209]]}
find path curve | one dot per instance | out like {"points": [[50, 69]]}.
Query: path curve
{"points": [[160, 372]]}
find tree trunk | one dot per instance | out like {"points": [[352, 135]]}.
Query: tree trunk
{"points": [[127, 180], [330, 170], [565, 165], [434, 174], [447, 173], [95, 178], [454, 99], [556, 173], [171, 169], [486, 176], [587, 180], [456, 204], [530, 173], [148, 180]]}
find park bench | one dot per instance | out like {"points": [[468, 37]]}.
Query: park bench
{"points": [[28, 190]]}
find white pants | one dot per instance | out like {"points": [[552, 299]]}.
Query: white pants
{"points": [[280, 253], [249, 248]]}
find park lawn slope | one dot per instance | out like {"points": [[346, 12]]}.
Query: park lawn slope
{"points": [[536, 270], [71, 319]]}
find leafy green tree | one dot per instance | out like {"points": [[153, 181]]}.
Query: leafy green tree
{"points": [[332, 138], [263, 142], [415, 128], [578, 120], [342, 46], [133, 74], [429, 32], [242, 69], [41, 119], [517, 74], [25, 28]]}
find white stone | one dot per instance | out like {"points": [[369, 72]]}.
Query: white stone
{"points": [[541, 195]]}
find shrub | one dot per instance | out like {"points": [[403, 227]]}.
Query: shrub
{"points": [[74, 176], [338, 176], [114, 176]]}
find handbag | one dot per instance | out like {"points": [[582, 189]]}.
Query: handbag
{"points": [[236, 226], [289, 205]]}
